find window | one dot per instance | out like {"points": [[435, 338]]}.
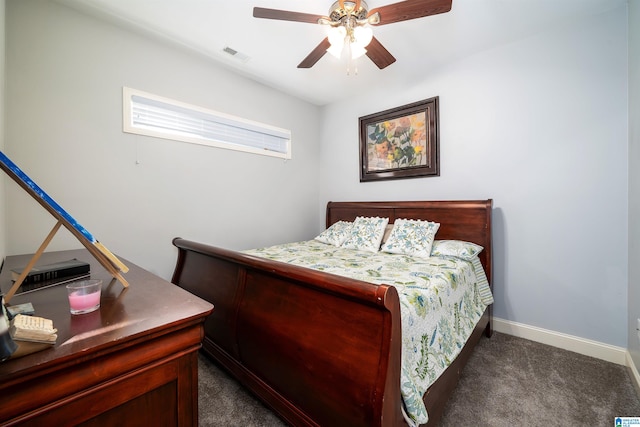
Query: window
{"points": [[151, 115]]}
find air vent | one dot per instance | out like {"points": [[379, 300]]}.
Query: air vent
{"points": [[235, 54]]}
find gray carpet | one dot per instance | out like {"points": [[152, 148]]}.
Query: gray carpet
{"points": [[508, 381]]}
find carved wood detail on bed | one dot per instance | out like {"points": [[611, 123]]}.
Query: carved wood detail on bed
{"points": [[320, 349]]}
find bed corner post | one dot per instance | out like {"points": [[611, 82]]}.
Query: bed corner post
{"points": [[177, 272], [489, 330]]}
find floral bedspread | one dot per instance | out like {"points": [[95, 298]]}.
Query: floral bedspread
{"points": [[441, 301]]}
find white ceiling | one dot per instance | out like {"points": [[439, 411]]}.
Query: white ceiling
{"points": [[275, 48]]}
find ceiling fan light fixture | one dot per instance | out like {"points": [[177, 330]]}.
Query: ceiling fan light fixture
{"points": [[360, 40], [357, 50], [362, 36], [336, 37], [356, 39], [335, 51]]}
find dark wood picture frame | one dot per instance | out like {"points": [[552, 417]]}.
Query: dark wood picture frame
{"points": [[402, 142]]}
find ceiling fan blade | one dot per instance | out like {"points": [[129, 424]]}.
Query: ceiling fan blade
{"points": [[316, 54], [411, 9], [379, 54], [285, 15]]}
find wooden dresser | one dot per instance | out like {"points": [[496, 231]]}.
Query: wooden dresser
{"points": [[133, 362]]}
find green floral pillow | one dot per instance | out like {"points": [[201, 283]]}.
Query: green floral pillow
{"points": [[366, 234], [336, 234], [455, 248], [411, 237]]}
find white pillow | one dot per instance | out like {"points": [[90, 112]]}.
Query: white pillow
{"points": [[366, 234], [336, 234], [411, 237], [455, 248]]}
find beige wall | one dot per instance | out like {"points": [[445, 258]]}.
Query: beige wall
{"points": [[65, 73], [540, 125]]}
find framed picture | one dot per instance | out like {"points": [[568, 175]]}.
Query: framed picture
{"points": [[402, 142]]}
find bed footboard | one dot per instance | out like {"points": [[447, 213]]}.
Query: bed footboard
{"points": [[319, 349]]}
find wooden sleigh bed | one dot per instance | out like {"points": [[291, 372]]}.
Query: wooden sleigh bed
{"points": [[317, 348]]}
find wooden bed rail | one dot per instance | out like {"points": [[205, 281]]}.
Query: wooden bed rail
{"points": [[344, 286], [334, 344]]}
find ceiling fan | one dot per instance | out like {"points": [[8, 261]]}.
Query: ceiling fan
{"points": [[350, 22]]}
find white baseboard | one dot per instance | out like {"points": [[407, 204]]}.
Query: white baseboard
{"points": [[595, 349]]}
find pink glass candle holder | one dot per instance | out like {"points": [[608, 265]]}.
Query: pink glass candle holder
{"points": [[84, 296]]}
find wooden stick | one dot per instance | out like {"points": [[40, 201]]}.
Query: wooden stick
{"points": [[114, 272], [32, 262], [99, 256], [114, 260]]}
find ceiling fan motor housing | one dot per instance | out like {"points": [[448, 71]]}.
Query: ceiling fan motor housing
{"points": [[338, 13]]}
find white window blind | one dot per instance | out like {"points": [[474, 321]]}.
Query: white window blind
{"points": [[152, 115]]}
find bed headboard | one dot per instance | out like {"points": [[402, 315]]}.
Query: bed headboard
{"points": [[468, 220]]}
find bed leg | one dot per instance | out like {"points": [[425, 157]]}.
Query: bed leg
{"points": [[488, 331]]}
